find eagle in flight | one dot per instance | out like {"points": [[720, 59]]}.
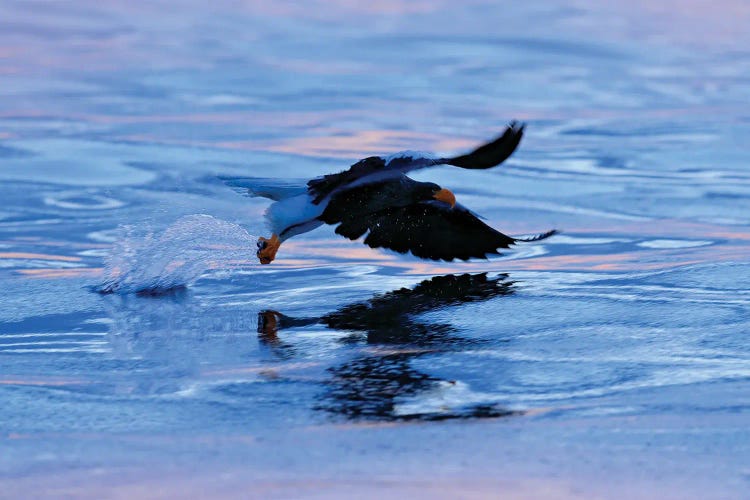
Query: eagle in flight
{"points": [[376, 197]]}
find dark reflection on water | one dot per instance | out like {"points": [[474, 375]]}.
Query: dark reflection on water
{"points": [[370, 385]]}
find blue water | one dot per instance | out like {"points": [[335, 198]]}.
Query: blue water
{"points": [[608, 361]]}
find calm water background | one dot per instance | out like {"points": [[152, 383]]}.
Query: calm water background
{"points": [[610, 361]]}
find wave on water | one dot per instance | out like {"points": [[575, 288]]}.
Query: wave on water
{"points": [[157, 263]]}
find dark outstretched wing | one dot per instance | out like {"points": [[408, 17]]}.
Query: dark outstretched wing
{"points": [[491, 154], [429, 230], [354, 205], [486, 156], [321, 187]]}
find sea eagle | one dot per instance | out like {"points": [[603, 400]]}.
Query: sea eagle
{"points": [[376, 197]]}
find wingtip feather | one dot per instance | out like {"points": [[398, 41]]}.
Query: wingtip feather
{"points": [[492, 153], [538, 237]]}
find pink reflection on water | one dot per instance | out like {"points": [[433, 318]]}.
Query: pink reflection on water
{"points": [[108, 36], [38, 256], [359, 143], [79, 272], [328, 9], [42, 381]]}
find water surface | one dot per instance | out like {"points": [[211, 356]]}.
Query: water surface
{"points": [[608, 361]]}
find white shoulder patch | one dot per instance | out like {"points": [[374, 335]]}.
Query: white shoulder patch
{"points": [[414, 155]]}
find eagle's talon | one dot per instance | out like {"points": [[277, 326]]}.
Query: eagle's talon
{"points": [[267, 249], [268, 322]]}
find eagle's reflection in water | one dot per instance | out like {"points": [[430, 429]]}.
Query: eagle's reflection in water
{"points": [[371, 385]]}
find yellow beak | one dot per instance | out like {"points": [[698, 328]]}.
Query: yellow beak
{"points": [[446, 196]]}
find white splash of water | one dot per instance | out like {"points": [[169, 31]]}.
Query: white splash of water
{"points": [[176, 257]]}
